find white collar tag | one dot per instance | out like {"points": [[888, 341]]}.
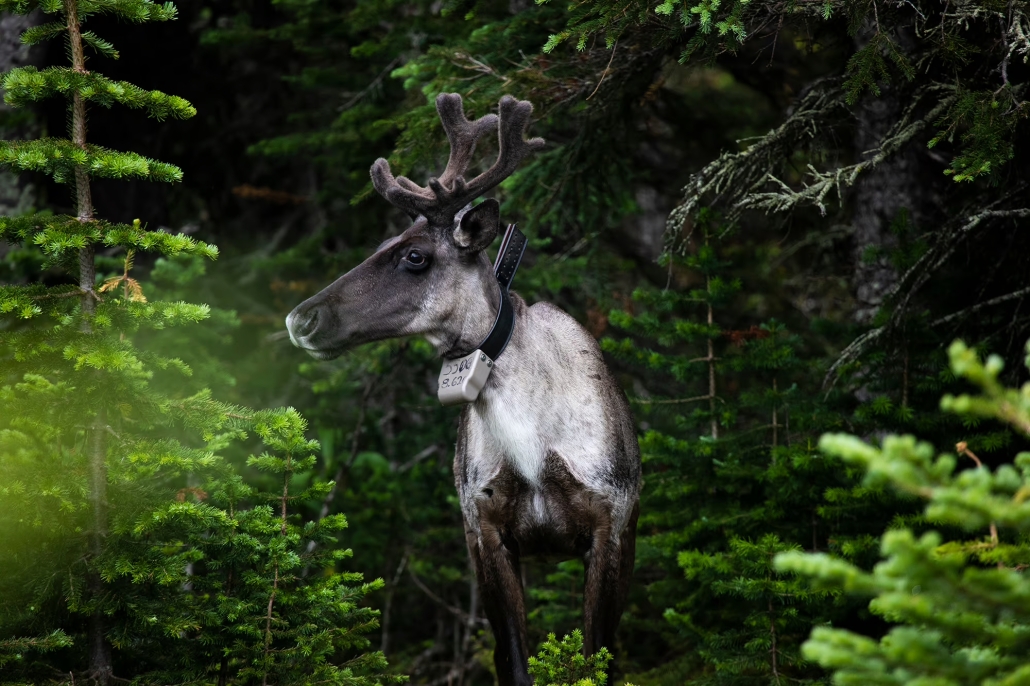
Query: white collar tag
{"points": [[462, 379]]}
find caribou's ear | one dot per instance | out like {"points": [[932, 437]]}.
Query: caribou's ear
{"points": [[478, 227]]}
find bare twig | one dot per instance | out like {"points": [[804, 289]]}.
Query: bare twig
{"points": [[963, 449], [371, 86], [456, 611], [418, 457], [77, 293], [980, 306], [605, 72], [384, 642]]}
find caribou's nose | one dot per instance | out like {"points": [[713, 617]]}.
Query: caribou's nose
{"points": [[302, 324]]}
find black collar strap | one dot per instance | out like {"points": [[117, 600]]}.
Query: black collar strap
{"points": [[508, 259]]}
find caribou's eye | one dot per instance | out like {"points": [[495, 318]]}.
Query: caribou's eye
{"points": [[416, 260]]}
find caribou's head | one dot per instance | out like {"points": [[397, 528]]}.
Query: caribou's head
{"points": [[432, 278]]}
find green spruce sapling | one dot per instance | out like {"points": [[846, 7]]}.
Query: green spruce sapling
{"points": [[562, 663], [958, 603]]}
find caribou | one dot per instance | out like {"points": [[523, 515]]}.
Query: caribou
{"points": [[546, 461]]}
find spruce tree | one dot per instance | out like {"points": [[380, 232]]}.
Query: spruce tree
{"points": [[77, 395], [132, 549], [733, 474], [956, 594]]}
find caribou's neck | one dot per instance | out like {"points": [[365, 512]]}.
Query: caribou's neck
{"points": [[472, 325], [508, 409], [474, 318]]}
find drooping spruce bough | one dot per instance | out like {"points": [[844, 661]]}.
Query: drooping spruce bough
{"points": [[131, 549]]}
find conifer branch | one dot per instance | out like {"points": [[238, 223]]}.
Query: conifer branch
{"points": [[917, 276], [67, 160], [734, 176], [816, 191], [28, 84]]}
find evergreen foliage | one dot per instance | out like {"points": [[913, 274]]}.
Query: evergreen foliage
{"points": [[734, 480], [562, 663], [789, 120], [267, 604], [886, 54], [12, 649], [957, 601], [132, 549]]}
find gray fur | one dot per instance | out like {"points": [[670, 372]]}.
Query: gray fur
{"points": [[550, 396]]}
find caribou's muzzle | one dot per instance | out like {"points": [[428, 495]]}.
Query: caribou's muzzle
{"points": [[308, 326], [302, 324]]}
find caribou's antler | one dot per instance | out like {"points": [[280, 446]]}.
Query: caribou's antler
{"points": [[444, 196]]}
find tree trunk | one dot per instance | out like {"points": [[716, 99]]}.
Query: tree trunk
{"points": [[100, 664], [895, 185], [17, 192]]}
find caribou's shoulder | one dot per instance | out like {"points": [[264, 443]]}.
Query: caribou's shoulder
{"points": [[562, 326], [548, 312]]}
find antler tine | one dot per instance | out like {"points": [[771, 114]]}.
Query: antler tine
{"points": [[449, 193], [401, 192], [462, 134], [514, 147]]}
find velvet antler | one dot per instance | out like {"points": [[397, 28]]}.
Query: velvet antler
{"points": [[445, 196]]}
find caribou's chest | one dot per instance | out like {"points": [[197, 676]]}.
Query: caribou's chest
{"points": [[516, 437], [522, 429]]}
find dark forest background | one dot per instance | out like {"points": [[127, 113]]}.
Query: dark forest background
{"points": [[774, 215]]}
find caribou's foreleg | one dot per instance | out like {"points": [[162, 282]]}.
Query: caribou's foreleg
{"points": [[609, 568], [500, 588]]}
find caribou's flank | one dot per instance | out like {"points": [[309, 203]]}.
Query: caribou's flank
{"points": [[547, 461]]}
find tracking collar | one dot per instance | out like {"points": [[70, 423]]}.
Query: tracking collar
{"points": [[462, 379]]}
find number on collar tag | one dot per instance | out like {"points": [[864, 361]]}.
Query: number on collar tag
{"points": [[461, 380]]}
